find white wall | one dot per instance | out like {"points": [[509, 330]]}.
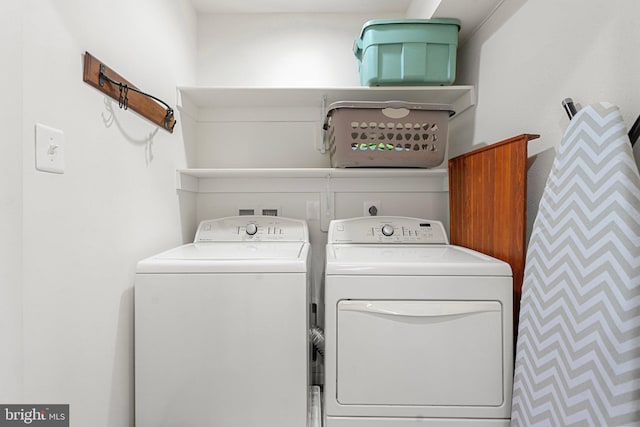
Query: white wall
{"points": [[116, 203], [421, 9], [532, 54], [280, 50], [11, 204]]}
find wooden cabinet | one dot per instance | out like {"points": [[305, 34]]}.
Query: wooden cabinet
{"points": [[487, 201]]}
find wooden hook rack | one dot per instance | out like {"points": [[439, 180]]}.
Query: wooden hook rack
{"points": [[114, 85]]}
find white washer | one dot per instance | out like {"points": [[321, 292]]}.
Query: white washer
{"points": [[221, 327], [418, 332]]}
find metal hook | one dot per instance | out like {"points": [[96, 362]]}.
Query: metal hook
{"points": [[120, 97], [167, 120], [123, 97], [126, 97]]}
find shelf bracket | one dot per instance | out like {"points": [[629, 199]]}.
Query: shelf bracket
{"points": [[323, 132], [106, 80]]}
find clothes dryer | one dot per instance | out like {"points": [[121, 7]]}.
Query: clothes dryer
{"points": [[221, 327], [418, 332]]}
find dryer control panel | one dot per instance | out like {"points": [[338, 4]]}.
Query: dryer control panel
{"points": [[387, 229], [252, 228]]}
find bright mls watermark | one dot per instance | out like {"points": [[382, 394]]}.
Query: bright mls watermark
{"points": [[34, 415]]}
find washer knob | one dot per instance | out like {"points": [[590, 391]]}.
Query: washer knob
{"points": [[387, 230], [251, 229]]}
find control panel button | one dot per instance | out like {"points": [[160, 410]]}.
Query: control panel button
{"points": [[251, 229], [387, 230]]}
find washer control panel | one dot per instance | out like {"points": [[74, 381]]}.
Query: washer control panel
{"points": [[252, 228], [387, 229]]}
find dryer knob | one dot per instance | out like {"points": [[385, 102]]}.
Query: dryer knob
{"points": [[387, 230], [251, 229]]}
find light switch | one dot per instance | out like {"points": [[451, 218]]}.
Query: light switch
{"points": [[49, 149]]}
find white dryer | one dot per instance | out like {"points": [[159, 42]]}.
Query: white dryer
{"points": [[418, 332], [221, 327]]}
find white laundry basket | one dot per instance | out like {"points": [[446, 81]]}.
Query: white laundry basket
{"points": [[387, 134]]}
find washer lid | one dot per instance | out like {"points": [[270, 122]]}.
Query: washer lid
{"points": [[411, 260], [233, 257]]}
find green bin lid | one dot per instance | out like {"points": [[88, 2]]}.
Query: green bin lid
{"points": [[442, 21]]}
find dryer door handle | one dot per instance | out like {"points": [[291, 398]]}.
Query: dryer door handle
{"points": [[420, 308]]}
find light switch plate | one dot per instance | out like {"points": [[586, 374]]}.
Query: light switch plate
{"points": [[49, 149]]}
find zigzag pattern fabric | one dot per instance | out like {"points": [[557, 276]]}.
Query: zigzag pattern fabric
{"points": [[578, 349]]}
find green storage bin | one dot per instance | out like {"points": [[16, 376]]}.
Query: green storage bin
{"points": [[418, 52]]}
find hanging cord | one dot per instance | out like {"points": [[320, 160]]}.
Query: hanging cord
{"points": [[123, 98]]}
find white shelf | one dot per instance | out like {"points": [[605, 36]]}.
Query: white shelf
{"points": [[220, 98], [293, 180], [227, 104]]}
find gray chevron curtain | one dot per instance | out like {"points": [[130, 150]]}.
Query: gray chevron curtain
{"points": [[578, 349]]}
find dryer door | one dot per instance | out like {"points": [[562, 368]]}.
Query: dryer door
{"points": [[423, 353]]}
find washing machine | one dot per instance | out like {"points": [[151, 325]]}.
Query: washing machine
{"points": [[418, 332], [221, 327]]}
